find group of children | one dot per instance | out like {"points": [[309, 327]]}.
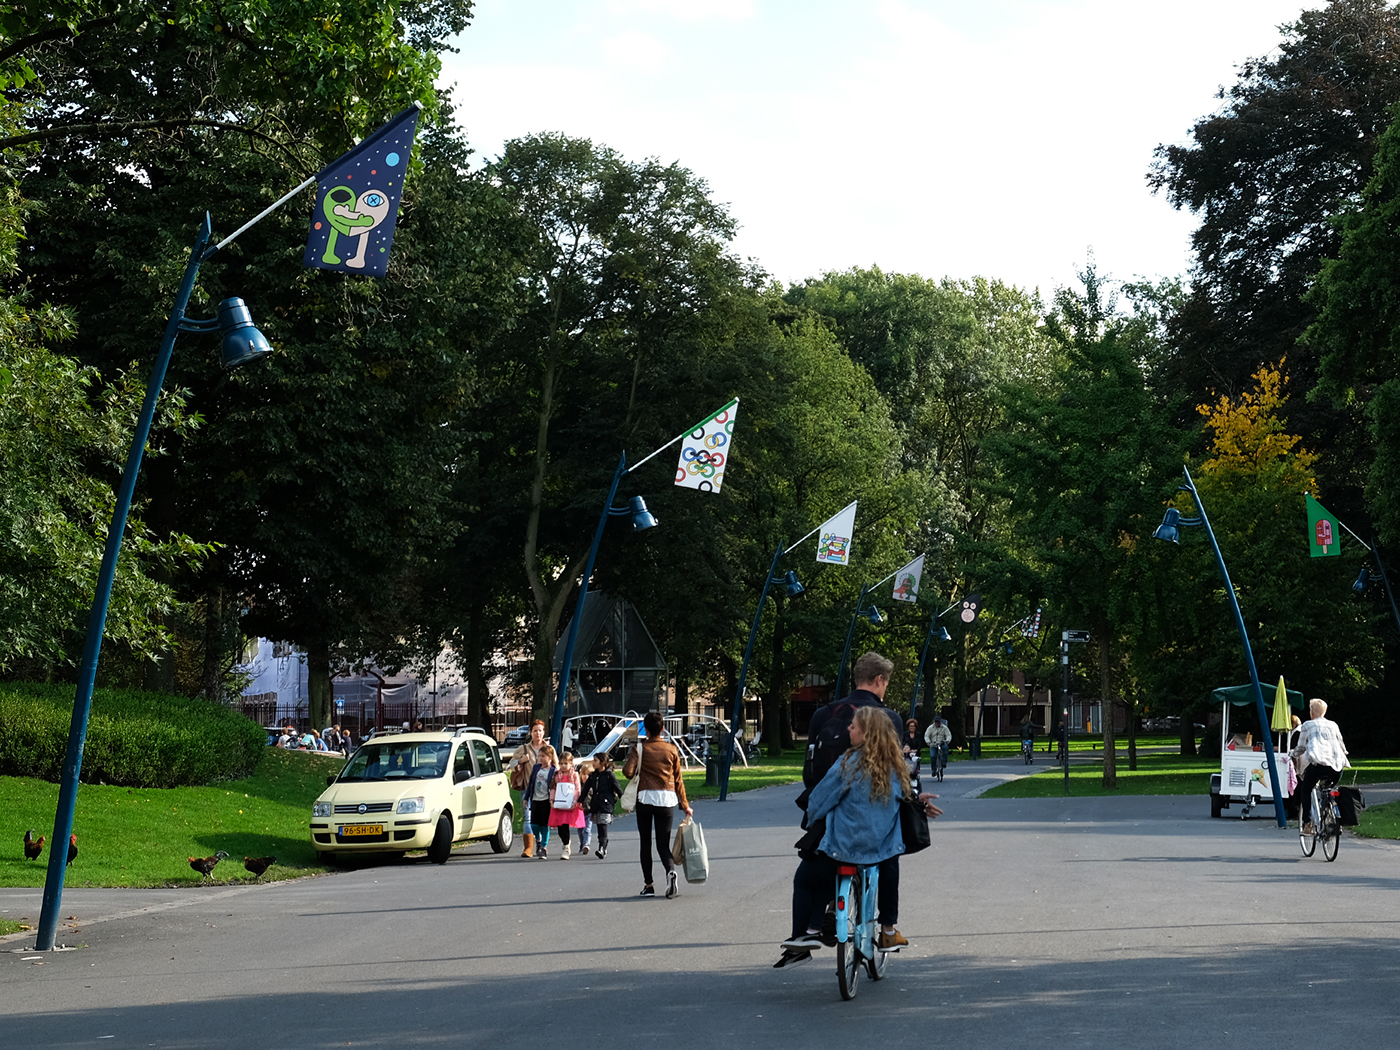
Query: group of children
{"points": [[564, 797]]}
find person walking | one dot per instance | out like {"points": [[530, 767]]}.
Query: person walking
{"points": [[521, 763], [538, 794], [566, 803], [600, 795], [659, 791], [1322, 753]]}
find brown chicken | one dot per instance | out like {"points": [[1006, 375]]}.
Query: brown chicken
{"points": [[258, 865], [205, 865], [72, 849], [32, 849]]}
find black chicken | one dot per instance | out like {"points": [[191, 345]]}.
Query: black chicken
{"points": [[32, 849], [205, 865], [258, 865], [72, 849]]}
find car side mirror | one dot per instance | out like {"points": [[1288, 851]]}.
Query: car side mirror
{"points": [[330, 780], [461, 775]]}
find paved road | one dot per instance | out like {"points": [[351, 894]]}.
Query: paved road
{"points": [[1066, 922]]}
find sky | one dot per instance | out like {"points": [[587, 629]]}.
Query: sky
{"points": [[1007, 139]]}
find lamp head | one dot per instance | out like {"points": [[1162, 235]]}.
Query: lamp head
{"points": [[242, 341], [943, 635], [1168, 530], [1363, 580], [792, 585], [874, 616], [641, 517]]}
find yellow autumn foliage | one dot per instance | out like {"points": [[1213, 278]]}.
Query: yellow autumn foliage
{"points": [[1249, 440]]}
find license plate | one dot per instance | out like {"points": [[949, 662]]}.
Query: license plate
{"points": [[361, 829]]}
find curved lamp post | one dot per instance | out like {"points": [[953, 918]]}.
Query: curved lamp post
{"points": [[793, 588], [241, 343], [870, 613], [1170, 530], [642, 519], [1364, 578]]}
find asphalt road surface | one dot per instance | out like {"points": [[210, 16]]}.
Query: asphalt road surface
{"points": [[1055, 922]]}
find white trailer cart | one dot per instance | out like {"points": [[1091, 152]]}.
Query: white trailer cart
{"points": [[1244, 773]]}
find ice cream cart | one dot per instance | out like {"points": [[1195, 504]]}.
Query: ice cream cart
{"points": [[1244, 772]]}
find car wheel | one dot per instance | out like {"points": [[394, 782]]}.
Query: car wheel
{"points": [[441, 848], [505, 832], [1214, 805]]}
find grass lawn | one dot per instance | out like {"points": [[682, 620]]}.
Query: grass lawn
{"points": [[1156, 775], [144, 837], [1380, 822]]}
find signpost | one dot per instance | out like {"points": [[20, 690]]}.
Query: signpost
{"points": [[1066, 639]]}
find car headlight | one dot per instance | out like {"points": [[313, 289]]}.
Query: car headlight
{"points": [[412, 805], [320, 809]]}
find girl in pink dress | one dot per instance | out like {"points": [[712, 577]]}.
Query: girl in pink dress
{"points": [[573, 816]]}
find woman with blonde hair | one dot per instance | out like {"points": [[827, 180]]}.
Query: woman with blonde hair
{"points": [[859, 797]]}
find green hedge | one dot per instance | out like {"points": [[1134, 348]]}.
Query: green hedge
{"points": [[134, 738]]}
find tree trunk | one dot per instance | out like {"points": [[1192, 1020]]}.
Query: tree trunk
{"points": [[1110, 764], [159, 673], [473, 656], [1188, 734], [1132, 735], [211, 677], [318, 684]]}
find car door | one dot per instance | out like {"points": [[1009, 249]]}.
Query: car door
{"points": [[492, 788], [464, 791]]}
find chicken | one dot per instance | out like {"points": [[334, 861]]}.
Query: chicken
{"points": [[205, 865], [32, 849], [72, 849], [258, 865]]}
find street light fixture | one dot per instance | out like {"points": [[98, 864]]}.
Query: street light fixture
{"points": [[792, 588], [870, 613], [642, 519], [242, 343], [1169, 531]]}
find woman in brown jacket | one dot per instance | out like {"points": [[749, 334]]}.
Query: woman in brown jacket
{"points": [[659, 791]]}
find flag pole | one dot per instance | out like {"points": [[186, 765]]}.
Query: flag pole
{"points": [[683, 433], [261, 215]]}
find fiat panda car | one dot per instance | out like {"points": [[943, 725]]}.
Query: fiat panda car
{"points": [[415, 791]]}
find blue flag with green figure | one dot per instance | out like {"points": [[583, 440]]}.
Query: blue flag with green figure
{"points": [[357, 200]]}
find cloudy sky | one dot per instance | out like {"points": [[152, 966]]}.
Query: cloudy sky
{"points": [[1003, 138]]}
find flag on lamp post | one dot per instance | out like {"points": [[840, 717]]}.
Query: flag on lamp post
{"points": [[705, 450], [834, 536], [907, 580], [1324, 534], [357, 201]]}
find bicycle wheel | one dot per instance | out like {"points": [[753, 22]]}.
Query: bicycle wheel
{"points": [[1330, 830], [1308, 841], [847, 954], [875, 960]]}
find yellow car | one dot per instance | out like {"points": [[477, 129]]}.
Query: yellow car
{"points": [[411, 791]]}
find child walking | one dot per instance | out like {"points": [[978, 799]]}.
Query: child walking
{"points": [[538, 790], [566, 806], [601, 794], [585, 833]]}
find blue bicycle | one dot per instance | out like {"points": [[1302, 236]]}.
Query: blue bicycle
{"points": [[857, 894]]}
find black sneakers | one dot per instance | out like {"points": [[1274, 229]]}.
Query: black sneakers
{"points": [[647, 891], [670, 885], [792, 957]]}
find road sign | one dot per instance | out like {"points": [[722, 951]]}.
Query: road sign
{"points": [[1074, 636]]}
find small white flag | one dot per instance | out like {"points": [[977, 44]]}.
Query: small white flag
{"points": [[705, 450], [834, 542], [907, 579]]}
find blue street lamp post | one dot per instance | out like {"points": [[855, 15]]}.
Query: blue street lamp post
{"points": [[636, 509], [736, 718], [870, 613], [1169, 531], [241, 343]]}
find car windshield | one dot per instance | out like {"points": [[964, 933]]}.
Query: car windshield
{"points": [[392, 760]]}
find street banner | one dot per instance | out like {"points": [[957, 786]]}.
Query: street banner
{"points": [[907, 580], [706, 449], [1324, 534], [357, 201], [834, 537], [1031, 628]]}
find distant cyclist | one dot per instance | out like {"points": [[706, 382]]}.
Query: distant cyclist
{"points": [[938, 736], [1028, 736]]}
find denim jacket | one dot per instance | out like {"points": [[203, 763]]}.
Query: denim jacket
{"points": [[858, 830]]}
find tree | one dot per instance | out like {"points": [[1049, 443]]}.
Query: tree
{"points": [[1291, 145], [1082, 468]]}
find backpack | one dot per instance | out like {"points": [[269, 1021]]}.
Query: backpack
{"points": [[831, 741]]}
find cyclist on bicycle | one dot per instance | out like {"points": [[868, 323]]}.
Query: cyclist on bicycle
{"points": [[1028, 735], [938, 736], [1322, 753], [858, 800]]}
